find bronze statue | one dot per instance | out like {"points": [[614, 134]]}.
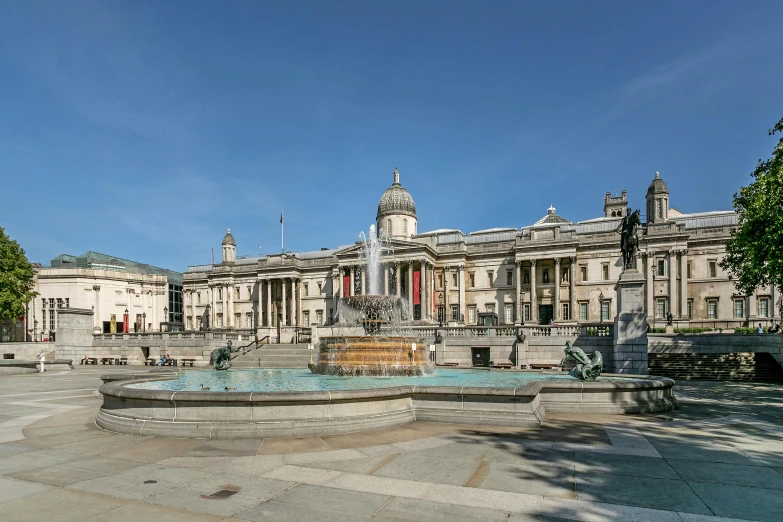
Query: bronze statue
{"points": [[588, 368], [629, 237], [220, 359]]}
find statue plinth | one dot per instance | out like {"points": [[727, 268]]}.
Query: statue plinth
{"points": [[630, 325]]}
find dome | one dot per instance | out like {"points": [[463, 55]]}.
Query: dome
{"points": [[396, 200], [228, 239], [657, 186]]}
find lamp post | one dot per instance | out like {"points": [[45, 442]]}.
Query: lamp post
{"points": [[166, 316], [35, 330], [126, 322], [144, 322], [522, 305], [601, 306], [441, 309]]}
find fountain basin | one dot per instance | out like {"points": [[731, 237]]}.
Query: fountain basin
{"points": [[128, 408], [372, 356]]}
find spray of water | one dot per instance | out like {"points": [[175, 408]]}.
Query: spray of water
{"points": [[373, 248]]}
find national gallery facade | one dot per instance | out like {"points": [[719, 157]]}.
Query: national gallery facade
{"points": [[553, 270]]}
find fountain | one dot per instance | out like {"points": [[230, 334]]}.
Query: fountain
{"points": [[381, 351]]}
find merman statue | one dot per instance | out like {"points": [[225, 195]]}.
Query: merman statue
{"points": [[220, 359], [587, 368]]}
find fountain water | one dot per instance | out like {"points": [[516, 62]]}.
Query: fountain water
{"points": [[382, 350]]}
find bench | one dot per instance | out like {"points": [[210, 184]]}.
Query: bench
{"points": [[121, 360], [90, 360], [149, 361], [188, 361], [544, 366], [107, 360], [170, 362], [448, 364], [506, 366]]}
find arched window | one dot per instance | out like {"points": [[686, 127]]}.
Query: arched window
{"points": [[388, 227], [404, 227]]}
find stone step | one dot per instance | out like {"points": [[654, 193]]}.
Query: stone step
{"points": [[739, 366]]}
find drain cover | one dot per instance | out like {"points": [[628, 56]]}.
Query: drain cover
{"points": [[224, 492], [150, 481]]}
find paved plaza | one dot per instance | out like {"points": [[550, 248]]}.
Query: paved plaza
{"points": [[719, 455]]}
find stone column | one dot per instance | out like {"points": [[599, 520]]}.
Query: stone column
{"points": [[268, 313], [423, 290], [461, 286], [284, 305], [340, 275], [672, 258], [97, 323], [410, 285], [364, 279], [385, 279], [230, 297], [352, 290], [397, 279], [650, 284], [751, 307], [224, 305], [684, 284], [194, 325], [517, 297], [155, 319], [294, 302], [533, 302], [556, 312], [572, 312]]}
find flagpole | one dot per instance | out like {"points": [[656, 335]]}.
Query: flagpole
{"points": [[282, 234]]}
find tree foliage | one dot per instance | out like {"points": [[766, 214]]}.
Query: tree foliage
{"points": [[16, 279], [754, 253]]}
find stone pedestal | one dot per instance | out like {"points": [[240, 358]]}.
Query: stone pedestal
{"points": [[630, 326]]}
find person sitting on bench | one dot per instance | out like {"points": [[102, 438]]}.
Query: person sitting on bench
{"points": [[85, 360], [162, 360]]}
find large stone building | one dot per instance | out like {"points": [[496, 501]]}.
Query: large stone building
{"points": [[124, 295], [553, 270]]}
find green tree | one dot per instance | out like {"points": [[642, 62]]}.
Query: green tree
{"points": [[754, 253], [16, 279]]}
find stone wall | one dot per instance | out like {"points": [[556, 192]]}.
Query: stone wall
{"points": [[717, 343], [28, 351]]}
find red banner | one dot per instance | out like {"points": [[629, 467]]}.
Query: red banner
{"points": [[125, 323], [416, 287], [347, 286], [434, 300]]}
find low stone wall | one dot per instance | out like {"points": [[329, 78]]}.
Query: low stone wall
{"points": [[717, 343], [234, 415], [27, 350], [20, 366]]}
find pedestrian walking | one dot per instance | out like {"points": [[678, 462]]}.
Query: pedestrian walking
{"points": [[42, 358]]}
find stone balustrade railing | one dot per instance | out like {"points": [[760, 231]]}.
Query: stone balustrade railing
{"points": [[599, 330]]}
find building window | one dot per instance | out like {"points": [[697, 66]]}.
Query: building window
{"points": [[220, 294], [305, 318], [472, 280], [739, 309], [605, 310], [249, 293], [764, 308], [198, 297], [605, 272], [491, 308], [190, 324], [583, 273], [320, 289], [583, 312], [237, 320], [527, 312], [690, 270], [527, 277], [509, 314], [59, 303], [405, 227], [509, 277], [319, 316], [565, 312], [472, 315], [454, 312], [67, 303], [661, 267], [660, 308], [249, 319], [237, 294], [454, 279], [690, 308], [440, 280], [52, 325], [712, 309], [219, 320], [489, 277], [713, 269], [305, 290], [388, 227], [545, 275]]}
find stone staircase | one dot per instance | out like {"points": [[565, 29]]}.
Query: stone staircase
{"points": [[737, 366], [275, 356]]}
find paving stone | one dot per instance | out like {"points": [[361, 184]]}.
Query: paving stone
{"points": [[687, 448], [361, 466], [555, 480], [36, 459], [458, 450], [664, 494], [589, 463], [429, 469], [10, 448], [414, 510], [225, 448], [77, 470], [136, 511], [142, 482], [301, 474], [256, 466], [306, 502], [12, 489], [56, 505], [729, 474], [153, 449], [741, 502]]}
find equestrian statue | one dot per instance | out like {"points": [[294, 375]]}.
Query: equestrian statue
{"points": [[629, 237], [588, 368]]}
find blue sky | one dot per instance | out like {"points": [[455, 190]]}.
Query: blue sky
{"points": [[145, 129]]}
